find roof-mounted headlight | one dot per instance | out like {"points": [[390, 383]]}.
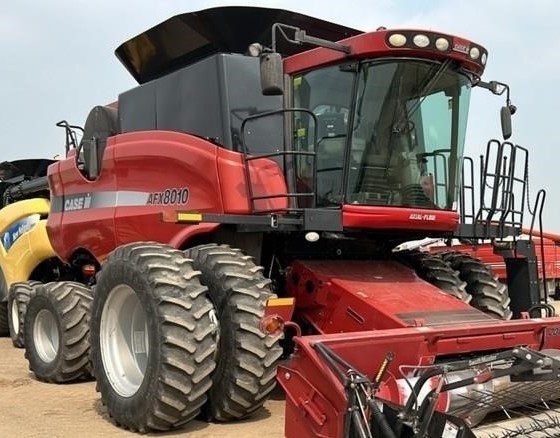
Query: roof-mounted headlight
{"points": [[397, 40], [421, 40], [442, 44], [474, 52]]}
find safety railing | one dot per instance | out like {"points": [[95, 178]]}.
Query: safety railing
{"points": [[500, 207], [288, 157]]}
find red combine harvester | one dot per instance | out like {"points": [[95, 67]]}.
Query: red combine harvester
{"points": [[231, 175]]}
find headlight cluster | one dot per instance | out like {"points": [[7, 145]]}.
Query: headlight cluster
{"points": [[437, 42]]}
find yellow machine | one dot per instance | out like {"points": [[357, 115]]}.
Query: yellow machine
{"points": [[26, 255], [25, 244]]}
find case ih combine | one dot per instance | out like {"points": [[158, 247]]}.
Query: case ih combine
{"points": [[224, 180]]}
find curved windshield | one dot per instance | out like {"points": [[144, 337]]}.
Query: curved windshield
{"points": [[408, 134], [393, 129]]}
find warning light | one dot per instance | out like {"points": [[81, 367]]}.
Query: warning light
{"points": [[272, 324], [89, 270]]}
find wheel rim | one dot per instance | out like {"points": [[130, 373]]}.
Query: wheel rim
{"points": [[124, 340], [15, 317], [46, 336]]}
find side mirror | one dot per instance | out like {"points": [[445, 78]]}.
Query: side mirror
{"points": [[499, 88], [505, 116], [272, 74]]}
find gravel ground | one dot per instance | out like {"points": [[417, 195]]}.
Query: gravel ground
{"points": [[29, 408]]}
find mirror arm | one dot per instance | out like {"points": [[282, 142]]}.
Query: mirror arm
{"points": [[300, 37]]}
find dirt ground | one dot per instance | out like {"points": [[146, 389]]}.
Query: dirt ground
{"points": [[29, 408]]}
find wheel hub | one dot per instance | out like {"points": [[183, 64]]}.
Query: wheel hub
{"points": [[124, 340], [46, 335], [15, 316]]}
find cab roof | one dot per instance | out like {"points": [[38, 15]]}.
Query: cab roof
{"points": [[187, 38]]}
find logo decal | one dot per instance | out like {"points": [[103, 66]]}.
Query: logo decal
{"points": [[169, 197], [79, 202], [422, 217], [17, 229], [460, 45]]}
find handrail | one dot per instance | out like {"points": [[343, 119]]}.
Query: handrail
{"points": [[284, 153], [539, 204], [464, 188]]}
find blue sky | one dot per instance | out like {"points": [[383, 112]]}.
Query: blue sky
{"points": [[58, 62]]}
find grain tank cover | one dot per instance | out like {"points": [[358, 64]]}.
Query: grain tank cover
{"points": [[187, 38]]}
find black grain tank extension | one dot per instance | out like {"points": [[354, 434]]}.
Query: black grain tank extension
{"points": [[194, 76]]}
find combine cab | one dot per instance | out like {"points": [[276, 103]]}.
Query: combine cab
{"points": [[262, 172]]}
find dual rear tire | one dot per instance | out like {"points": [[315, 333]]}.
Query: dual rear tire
{"points": [[171, 337], [464, 277], [246, 360], [4, 328], [174, 337], [488, 293], [153, 338], [18, 298], [56, 332]]}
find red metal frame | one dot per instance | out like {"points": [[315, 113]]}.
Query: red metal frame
{"points": [[350, 296], [138, 164], [315, 399], [374, 44], [398, 218]]}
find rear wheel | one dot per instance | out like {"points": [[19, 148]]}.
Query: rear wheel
{"points": [[439, 273], [489, 295], [18, 299], [153, 337], [4, 326], [56, 332], [247, 357]]}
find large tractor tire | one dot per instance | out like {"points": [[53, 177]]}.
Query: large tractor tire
{"points": [[153, 337], [4, 326], [18, 299], [56, 332], [437, 272], [489, 295], [247, 357]]}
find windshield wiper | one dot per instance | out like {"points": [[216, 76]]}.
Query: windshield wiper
{"points": [[403, 123], [422, 94]]}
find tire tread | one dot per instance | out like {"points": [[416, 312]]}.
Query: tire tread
{"points": [[239, 291], [72, 304], [181, 379]]}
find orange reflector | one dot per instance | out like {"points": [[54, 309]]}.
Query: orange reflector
{"points": [[272, 324], [89, 270], [189, 217], [178, 217], [169, 216], [273, 302]]}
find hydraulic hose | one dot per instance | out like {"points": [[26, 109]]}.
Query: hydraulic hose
{"points": [[381, 421], [24, 188]]}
